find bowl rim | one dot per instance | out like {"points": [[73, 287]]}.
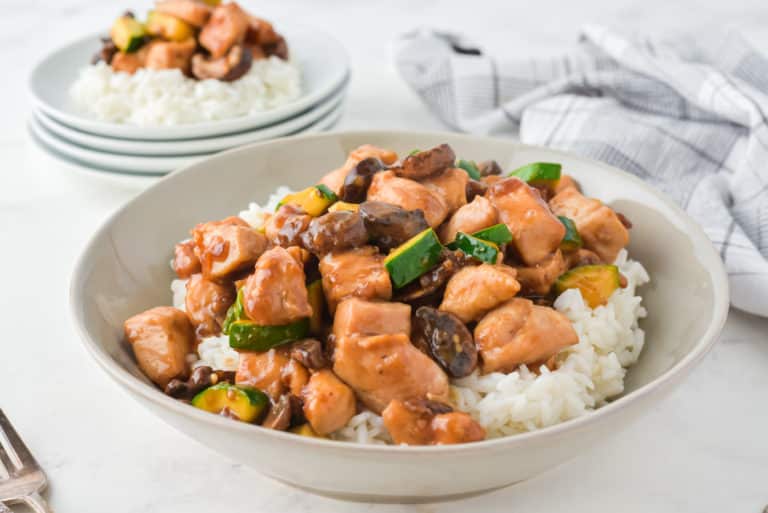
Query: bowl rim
{"points": [[694, 232]]}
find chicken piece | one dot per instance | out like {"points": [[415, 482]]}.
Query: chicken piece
{"points": [[536, 232], [236, 63], [355, 273], [207, 303], [335, 179], [161, 338], [365, 318], [226, 28], [275, 294], [520, 332], [565, 182], [426, 163], [328, 402], [129, 62], [273, 372], [382, 368], [285, 226], [390, 188], [451, 185], [185, 262], [600, 227], [538, 279], [470, 218], [261, 32], [171, 54], [194, 12], [474, 291], [226, 247], [414, 423]]}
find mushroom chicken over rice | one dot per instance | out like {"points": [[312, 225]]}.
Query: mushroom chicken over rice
{"points": [[376, 287]]}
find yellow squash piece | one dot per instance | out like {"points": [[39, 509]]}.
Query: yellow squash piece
{"points": [[313, 200], [596, 283], [168, 27], [127, 34], [343, 205]]}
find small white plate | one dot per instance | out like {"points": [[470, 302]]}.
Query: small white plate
{"points": [[130, 164], [323, 62], [189, 147]]}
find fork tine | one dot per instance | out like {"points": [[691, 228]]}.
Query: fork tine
{"points": [[21, 450]]}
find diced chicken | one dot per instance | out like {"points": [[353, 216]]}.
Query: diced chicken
{"points": [[206, 303], [355, 273], [520, 332], [600, 227], [536, 232], [261, 32], [285, 226], [194, 12], [451, 185], [538, 279], [414, 424], [226, 28], [390, 188], [470, 218], [328, 402], [425, 163], [474, 291], [382, 368], [185, 262], [227, 247], [272, 372], [170, 54], [161, 338], [129, 62], [565, 182], [335, 179], [365, 318], [275, 294]]}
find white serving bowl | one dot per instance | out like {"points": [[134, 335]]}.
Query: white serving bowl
{"points": [[124, 270]]}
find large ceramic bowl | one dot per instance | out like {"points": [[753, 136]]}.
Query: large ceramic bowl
{"points": [[124, 270]]}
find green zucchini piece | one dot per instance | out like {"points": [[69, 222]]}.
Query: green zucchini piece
{"points": [[470, 167], [498, 234], [236, 312], [474, 247], [246, 403], [542, 174], [249, 336], [127, 34], [413, 258], [596, 282], [317, 301], [572, 240], [313, 200], [414, 152]]}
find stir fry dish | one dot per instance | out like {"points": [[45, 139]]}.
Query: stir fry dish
{"points": [[204, 39], [376, 288]]}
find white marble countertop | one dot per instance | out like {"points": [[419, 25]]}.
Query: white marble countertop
{"points": [[703, 449]]}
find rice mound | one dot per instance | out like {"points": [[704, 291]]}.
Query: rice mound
{"points": [[167, 97], [588, 373]]}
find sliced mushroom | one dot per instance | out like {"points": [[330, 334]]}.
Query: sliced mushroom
{"points": [[428, 289], [425, 163], [475, 188], [489, 168], [279, 49], [309, 353], [202, 377], [108, 50], [389, 225], [358, 180], [449, 341], [335, 231], [280, 414], [232, 66]]}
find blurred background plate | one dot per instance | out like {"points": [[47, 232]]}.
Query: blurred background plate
{"points": [[322, 60]]}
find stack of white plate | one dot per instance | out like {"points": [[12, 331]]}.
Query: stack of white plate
{"points": [[59, 127]]}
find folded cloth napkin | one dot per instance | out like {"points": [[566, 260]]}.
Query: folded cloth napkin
{"points": [[689, 115]]}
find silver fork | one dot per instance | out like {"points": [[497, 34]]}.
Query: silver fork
{"points": [[26, 478]]}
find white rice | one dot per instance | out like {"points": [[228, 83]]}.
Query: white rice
{"points": [[167, 97], [589, 373]]}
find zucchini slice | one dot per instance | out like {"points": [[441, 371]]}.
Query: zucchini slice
{"points": [[249, 336], [317, 301], [470, 167], [246, 403], [168, 27], [343, 205], [498, 234], [127, 34], [474, 247], [236, 312], [313, 200], [596, 282], [413, 258], [539, 174], [572, 240], [305, 430]]}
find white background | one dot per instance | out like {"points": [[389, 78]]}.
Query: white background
{"points": [[703, 449]]}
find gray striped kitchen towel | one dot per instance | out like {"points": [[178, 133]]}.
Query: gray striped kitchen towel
{"points": [[689, 115]]}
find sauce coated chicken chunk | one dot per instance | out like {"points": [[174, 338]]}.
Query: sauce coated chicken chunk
{"points": [[226, 28], [328, 402], [206, 303], [185, 262], [227, 247], [451, 185], [474, 291], [387, 187], [470, 218], [429, 423], [335, 179], [274, 372], [537, 280], [354, 273]]}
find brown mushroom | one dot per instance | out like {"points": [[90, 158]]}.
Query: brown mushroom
{"points": [[309, 353], [228, 68], [425, 163], [448, 340], [280, 414], [489, 168], [334, 231], [358, 180], [389, 225]]}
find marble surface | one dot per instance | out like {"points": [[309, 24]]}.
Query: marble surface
{"points": [[703, 449]]}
